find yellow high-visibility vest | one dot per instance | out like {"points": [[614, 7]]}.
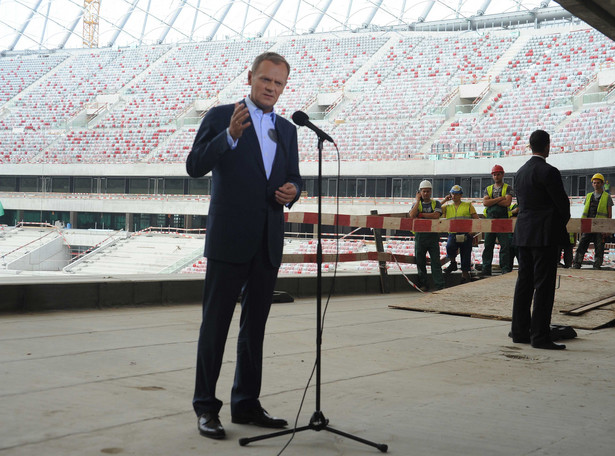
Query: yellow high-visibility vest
{"points": [[602, 211], [433, 206], [490, 195], [461, 212]]}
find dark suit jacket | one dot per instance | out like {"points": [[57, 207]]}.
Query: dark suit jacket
{"points": [[544, 208], [243, 206]]}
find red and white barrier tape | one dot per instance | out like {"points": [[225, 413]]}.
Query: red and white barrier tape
{"points": [[346, 257], [414, 285], [440, 225]]}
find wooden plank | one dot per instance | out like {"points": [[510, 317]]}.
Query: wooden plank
{"points": [[382, 265], [588, 307], [493, 297]]}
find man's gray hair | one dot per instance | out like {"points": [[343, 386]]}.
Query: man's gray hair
{"points": [[272, 57]]}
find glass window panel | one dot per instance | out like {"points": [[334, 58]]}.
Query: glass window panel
{"points": [[396, 188], [352, 188], [370, 189], [138, 185], [8, 183], [332, 187], [198, 186], [60, 184], [361, 187], [28, 184], [82, 185], [116, 185], [174, 186]]}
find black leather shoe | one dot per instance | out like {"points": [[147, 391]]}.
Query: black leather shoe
{"points": [[210, 426], [259, 417], [550, 346]]}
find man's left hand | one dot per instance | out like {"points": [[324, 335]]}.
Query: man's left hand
{"points": [[286, 193]]}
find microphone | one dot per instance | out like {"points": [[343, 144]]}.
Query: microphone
{"points": [[303, 120]]}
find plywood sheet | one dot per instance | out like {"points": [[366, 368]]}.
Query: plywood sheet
{"points": [[492, 298]]}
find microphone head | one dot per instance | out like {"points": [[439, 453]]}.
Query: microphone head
{"points": [[300, 118]]}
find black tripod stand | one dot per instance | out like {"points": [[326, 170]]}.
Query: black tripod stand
{"points": [[318, 422]]}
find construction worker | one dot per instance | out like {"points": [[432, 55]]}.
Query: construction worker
{"points": [[497, 200], [462, 241], [598, 204], [428, 208], [513, 211]]}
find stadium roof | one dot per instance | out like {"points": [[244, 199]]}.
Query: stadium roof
{"points": [[599, 13], [56, 24]]}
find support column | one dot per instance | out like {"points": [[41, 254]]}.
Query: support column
{"points": [[73, 219], [129, 222]]}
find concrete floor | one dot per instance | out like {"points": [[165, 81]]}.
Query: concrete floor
{"points": [[120, 381]]}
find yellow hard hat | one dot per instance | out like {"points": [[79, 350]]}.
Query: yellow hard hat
{"points": [[598, 176]]}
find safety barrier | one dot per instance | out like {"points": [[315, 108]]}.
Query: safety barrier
{"points": [[440, 225], [346, 257]]}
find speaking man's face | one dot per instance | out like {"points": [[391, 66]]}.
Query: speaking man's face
{"points": [[268, 82]]}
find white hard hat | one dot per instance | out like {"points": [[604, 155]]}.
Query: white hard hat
{"points": [[425, 184]]}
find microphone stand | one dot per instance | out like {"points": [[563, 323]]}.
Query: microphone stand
{"points": [[317, 422]]}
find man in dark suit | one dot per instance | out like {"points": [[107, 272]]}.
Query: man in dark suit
{"points": [[252, 154], [540, 231]]}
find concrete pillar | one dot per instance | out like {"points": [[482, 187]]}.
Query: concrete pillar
{"points": [[129, 222], [73, 219], [188, 222]]}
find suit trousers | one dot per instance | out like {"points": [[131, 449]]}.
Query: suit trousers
{"points": [[223, 284], [535, 281]]}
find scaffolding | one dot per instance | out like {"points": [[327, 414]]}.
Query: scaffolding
{"points": [[91, 11]]}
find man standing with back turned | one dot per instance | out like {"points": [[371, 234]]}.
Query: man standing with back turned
{"points": [[252, 154], [540, 231]]}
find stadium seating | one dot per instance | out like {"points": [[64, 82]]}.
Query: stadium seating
{"points": [[418, 73], [141, 253], [177, 148], [23, 145], [390, 92], [18, 72], [104, 146], [190, 72], [592, 129], [545, 75]]}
